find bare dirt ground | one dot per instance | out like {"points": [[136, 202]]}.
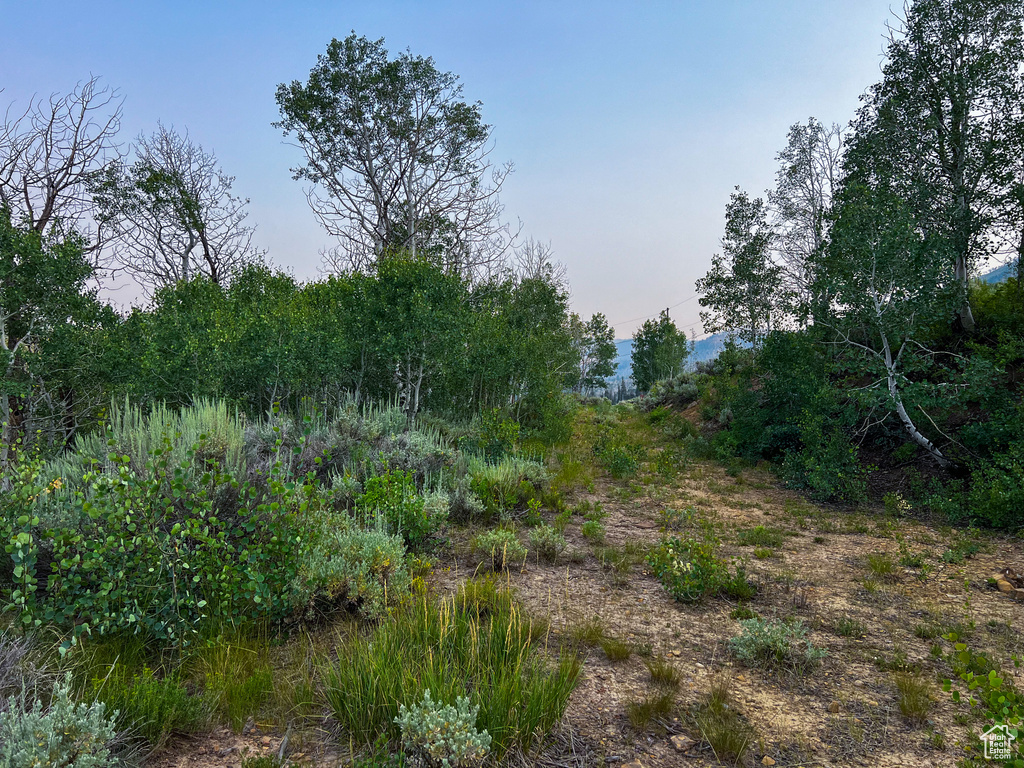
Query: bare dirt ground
{"points": [[875, 622]]}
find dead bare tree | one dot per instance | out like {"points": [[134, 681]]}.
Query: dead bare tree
{"points": [[52, 151], [173, 213]]}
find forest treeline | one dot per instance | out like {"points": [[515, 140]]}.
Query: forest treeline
{"points": [[878, 361], [429, 301]]}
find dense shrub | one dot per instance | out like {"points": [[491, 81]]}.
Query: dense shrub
{"points": [[996, 495], [65, 733], [690, 568], [394, 498], [442, 735]]}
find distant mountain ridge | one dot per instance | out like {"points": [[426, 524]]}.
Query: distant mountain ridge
{"points": [[1000, 274]]}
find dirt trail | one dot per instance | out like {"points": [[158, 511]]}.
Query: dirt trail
{"points": [[846, 712]]}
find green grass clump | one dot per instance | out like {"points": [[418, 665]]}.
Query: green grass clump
{"points": [[742, 612], [656, 709], [238, 678], [914, 696], [776, 645], [760, 536], [721, 725], [587, 632], [847, 627], [495, 660], [150, 707], [615, 649], [664, 673]]}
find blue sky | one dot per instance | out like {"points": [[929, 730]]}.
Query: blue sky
{"points": [[629, 123]]}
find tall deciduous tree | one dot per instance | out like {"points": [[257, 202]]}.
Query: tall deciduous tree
{"points": [[397, 159], [940, 128], [659, 351], [595, 343], [42, 286], [810, 170], [889, 290], [173, 213], [742, 293]]}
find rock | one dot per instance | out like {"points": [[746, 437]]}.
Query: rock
{"points": [[633, 764], [249, 726], [226, 751], [767, 761], [683, 743], [858, 683], [265, 741], [833, 707]]}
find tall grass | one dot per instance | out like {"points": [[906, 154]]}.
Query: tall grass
{"points": [[452, 648]]}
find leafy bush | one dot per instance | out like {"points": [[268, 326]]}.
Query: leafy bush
{"points": [[776, 644], [547, 543], [64, 734], [494, 660], [159, 551], [498, 435], [443, 736], [996, 494], [690, 569], [393, 497], [500, 547]]}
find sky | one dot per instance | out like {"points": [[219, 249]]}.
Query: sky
{"points": [[629, 123]]}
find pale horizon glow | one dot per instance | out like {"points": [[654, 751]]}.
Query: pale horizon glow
{"points": [[628, 124]]}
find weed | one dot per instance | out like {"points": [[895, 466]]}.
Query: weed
{"points": [[690, 569], [847, 627], [655, 709], [881, 566], [500, 547], [776, 645], [547, 543], [763, 553], [593, 531], [664, 673], [742, 612], [760, 537], [915, 695], [615, 650], [927, 631], [677, 519]]}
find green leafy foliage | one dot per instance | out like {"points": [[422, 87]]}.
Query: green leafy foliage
{"points": [[690, 568]]}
